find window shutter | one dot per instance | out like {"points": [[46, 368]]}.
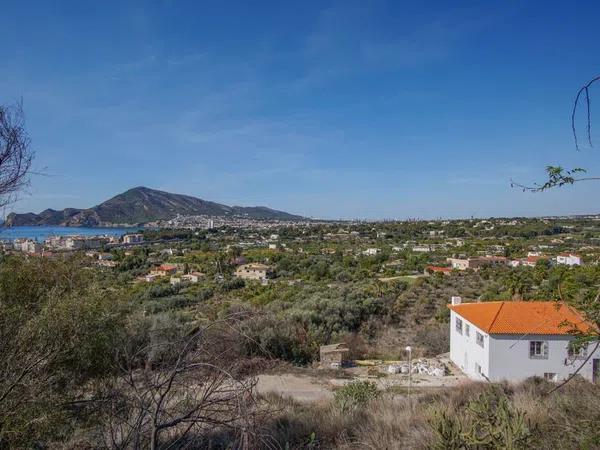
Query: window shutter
{"points": [[545, 349]]}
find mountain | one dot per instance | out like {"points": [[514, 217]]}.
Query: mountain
{"points": [[142, 205]]}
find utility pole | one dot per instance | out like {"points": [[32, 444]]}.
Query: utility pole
{"points": [[409, 351]]}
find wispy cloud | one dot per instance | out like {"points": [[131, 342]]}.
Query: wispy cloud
{"points": [[347, 39]]}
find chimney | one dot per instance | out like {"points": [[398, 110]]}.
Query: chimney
{"points": [[456, 300]]}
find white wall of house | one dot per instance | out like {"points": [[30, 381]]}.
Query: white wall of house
{"points": [[570, 260], [507, 357], [510, 358], [465, 352]]}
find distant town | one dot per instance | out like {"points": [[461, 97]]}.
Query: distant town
{"points": [[432, 247]]}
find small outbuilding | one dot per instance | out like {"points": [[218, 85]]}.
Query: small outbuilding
{"points": [[334, 356]]}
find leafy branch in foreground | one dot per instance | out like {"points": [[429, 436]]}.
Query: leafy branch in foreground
{"points": [[557, 177]]}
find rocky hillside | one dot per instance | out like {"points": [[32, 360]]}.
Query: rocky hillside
{"points": [[141, 205]]}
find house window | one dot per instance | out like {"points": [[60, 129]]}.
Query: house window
{"points": [[467, 329], [538, 350], [479, 338], [459, 325], [577, 351], [551, 376]]}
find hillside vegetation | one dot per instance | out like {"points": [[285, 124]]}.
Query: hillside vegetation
{"points": [[138, 206]]}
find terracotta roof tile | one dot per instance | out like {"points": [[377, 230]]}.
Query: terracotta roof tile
{"points": [[439, 269], [507, 317]]}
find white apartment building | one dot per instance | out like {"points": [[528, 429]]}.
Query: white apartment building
{"points": [[135, 238]]}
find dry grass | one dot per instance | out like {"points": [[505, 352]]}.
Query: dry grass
{"points": [[567, 419]]}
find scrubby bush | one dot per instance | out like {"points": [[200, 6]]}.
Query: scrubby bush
{"points": [[159, 290], [204, 294], [58, 330], [232, 284], [355, 394], [490, 417], [491, 421], [278, 338]]}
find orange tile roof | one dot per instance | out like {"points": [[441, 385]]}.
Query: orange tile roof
{"points": [[439, 269], [508, 317], [534, 259]]}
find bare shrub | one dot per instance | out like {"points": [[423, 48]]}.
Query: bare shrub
{"points": [[177, 392], [433, 339]]}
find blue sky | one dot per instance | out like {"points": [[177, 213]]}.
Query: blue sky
{"points": [[327, 109]]}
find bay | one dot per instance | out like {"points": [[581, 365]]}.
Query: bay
{"points": [[41, 233]]}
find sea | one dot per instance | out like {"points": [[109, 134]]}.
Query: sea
{"points": [[41, 233]]}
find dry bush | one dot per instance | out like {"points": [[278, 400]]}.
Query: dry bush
{"points": [[182, 392], [302, 425], [433, 339], [566, 419]]}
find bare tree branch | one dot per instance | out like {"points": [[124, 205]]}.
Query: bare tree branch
{"points": [[558, 176], [584, 90], [16, 155]]}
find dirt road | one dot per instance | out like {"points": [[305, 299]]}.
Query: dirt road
{"points": [[301, 388]]}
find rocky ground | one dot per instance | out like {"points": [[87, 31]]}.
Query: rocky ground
{"points": [[313, 385]]}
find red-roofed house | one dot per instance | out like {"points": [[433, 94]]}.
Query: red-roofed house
{"points": [[165, 269], [514, 340], [438, 269], [532, 260]]}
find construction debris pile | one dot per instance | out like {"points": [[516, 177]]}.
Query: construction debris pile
{"points": [[421, 367]]}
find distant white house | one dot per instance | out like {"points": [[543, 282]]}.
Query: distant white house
{"points": [[31, 246], [371, 251], [422, 248], [135, 238], [192, 277], [507, 340], [151, 277], [254, 271], [477, 262], [569, 259]]}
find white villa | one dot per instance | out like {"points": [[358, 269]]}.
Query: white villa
{"points": [[371, 251], [254, 271], [514, 340], [569, 259]]}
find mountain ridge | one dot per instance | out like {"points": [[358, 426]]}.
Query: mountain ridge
{"points": [[141, 205]]}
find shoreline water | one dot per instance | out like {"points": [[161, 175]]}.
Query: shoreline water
{"points": [[42, 232]]}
